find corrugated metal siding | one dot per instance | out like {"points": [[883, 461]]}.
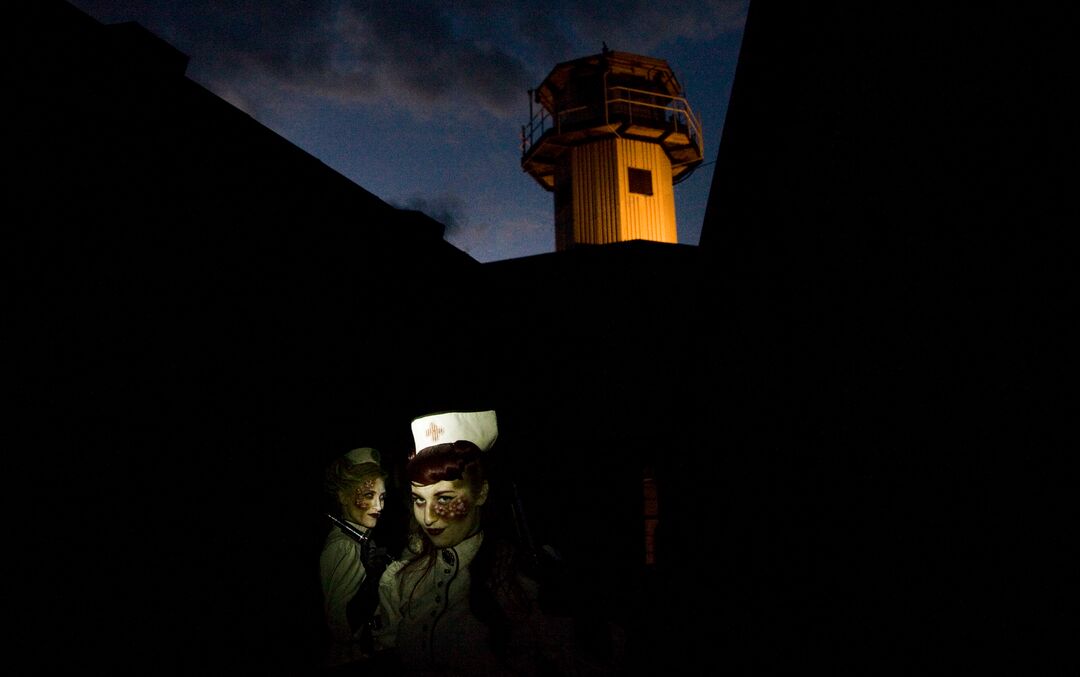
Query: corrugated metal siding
{"points": [[646, 217], [603, 208], [564, 208], [595, 172]]}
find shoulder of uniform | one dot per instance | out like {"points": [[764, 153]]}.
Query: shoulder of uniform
{"points": [[392, 570]]}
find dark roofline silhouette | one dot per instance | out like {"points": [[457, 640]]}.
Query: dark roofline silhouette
{"points": [[845, 398]]}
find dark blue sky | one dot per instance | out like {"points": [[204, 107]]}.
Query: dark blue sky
{"points": [[422, 103]]}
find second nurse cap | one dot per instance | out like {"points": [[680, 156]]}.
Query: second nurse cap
{"points": [[363, 455], [479, 427]]}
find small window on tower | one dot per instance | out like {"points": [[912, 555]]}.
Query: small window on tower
{"points": [[640, 181]]}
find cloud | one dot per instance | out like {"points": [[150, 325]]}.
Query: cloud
{"points": [[448, 210], [469, 58], [515, 238], [642, 26]]}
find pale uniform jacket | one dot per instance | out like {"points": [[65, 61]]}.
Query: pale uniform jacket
{"points": [[437, 632], [341, 569]]}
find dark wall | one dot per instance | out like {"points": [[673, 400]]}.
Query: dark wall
{"points": [[201, 316], [847, 394], [887, 233], [597, 379]]}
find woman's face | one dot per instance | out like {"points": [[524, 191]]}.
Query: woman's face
{"points": [[448, 511], [366, 502]]}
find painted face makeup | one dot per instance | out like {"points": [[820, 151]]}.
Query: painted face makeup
{"points": [[367, 502], [447, 511]]}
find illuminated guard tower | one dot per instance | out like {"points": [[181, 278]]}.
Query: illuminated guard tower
{"points": [[611, 139]]}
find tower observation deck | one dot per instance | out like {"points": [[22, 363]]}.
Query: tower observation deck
{"points": [[611, 137]]}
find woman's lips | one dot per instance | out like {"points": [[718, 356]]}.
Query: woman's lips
{"points": [[434, 532]]}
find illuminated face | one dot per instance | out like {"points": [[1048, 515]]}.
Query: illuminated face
{"points": [[448, 511], [366, 502]]}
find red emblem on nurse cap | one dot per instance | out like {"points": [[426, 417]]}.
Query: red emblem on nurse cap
{"points": [[433, 431]]}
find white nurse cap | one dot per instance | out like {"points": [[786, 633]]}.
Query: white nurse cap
{"points": [[479, 427], [363, 455]]}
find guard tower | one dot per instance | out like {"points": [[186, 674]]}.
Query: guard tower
{"points": [[612, 137]]}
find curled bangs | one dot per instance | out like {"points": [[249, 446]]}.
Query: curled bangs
{"points": [[443, 462]]}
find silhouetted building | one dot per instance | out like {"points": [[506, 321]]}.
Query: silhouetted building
{"points": [[887, 243], [201, 316], [843, 430]]}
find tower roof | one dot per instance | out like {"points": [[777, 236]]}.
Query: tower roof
{"points": [[606, 95], [642, 69]]}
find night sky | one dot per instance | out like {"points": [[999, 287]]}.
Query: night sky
{"points": [[422, 103]]}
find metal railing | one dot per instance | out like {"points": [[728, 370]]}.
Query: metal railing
{"points": [[621, 105]]}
